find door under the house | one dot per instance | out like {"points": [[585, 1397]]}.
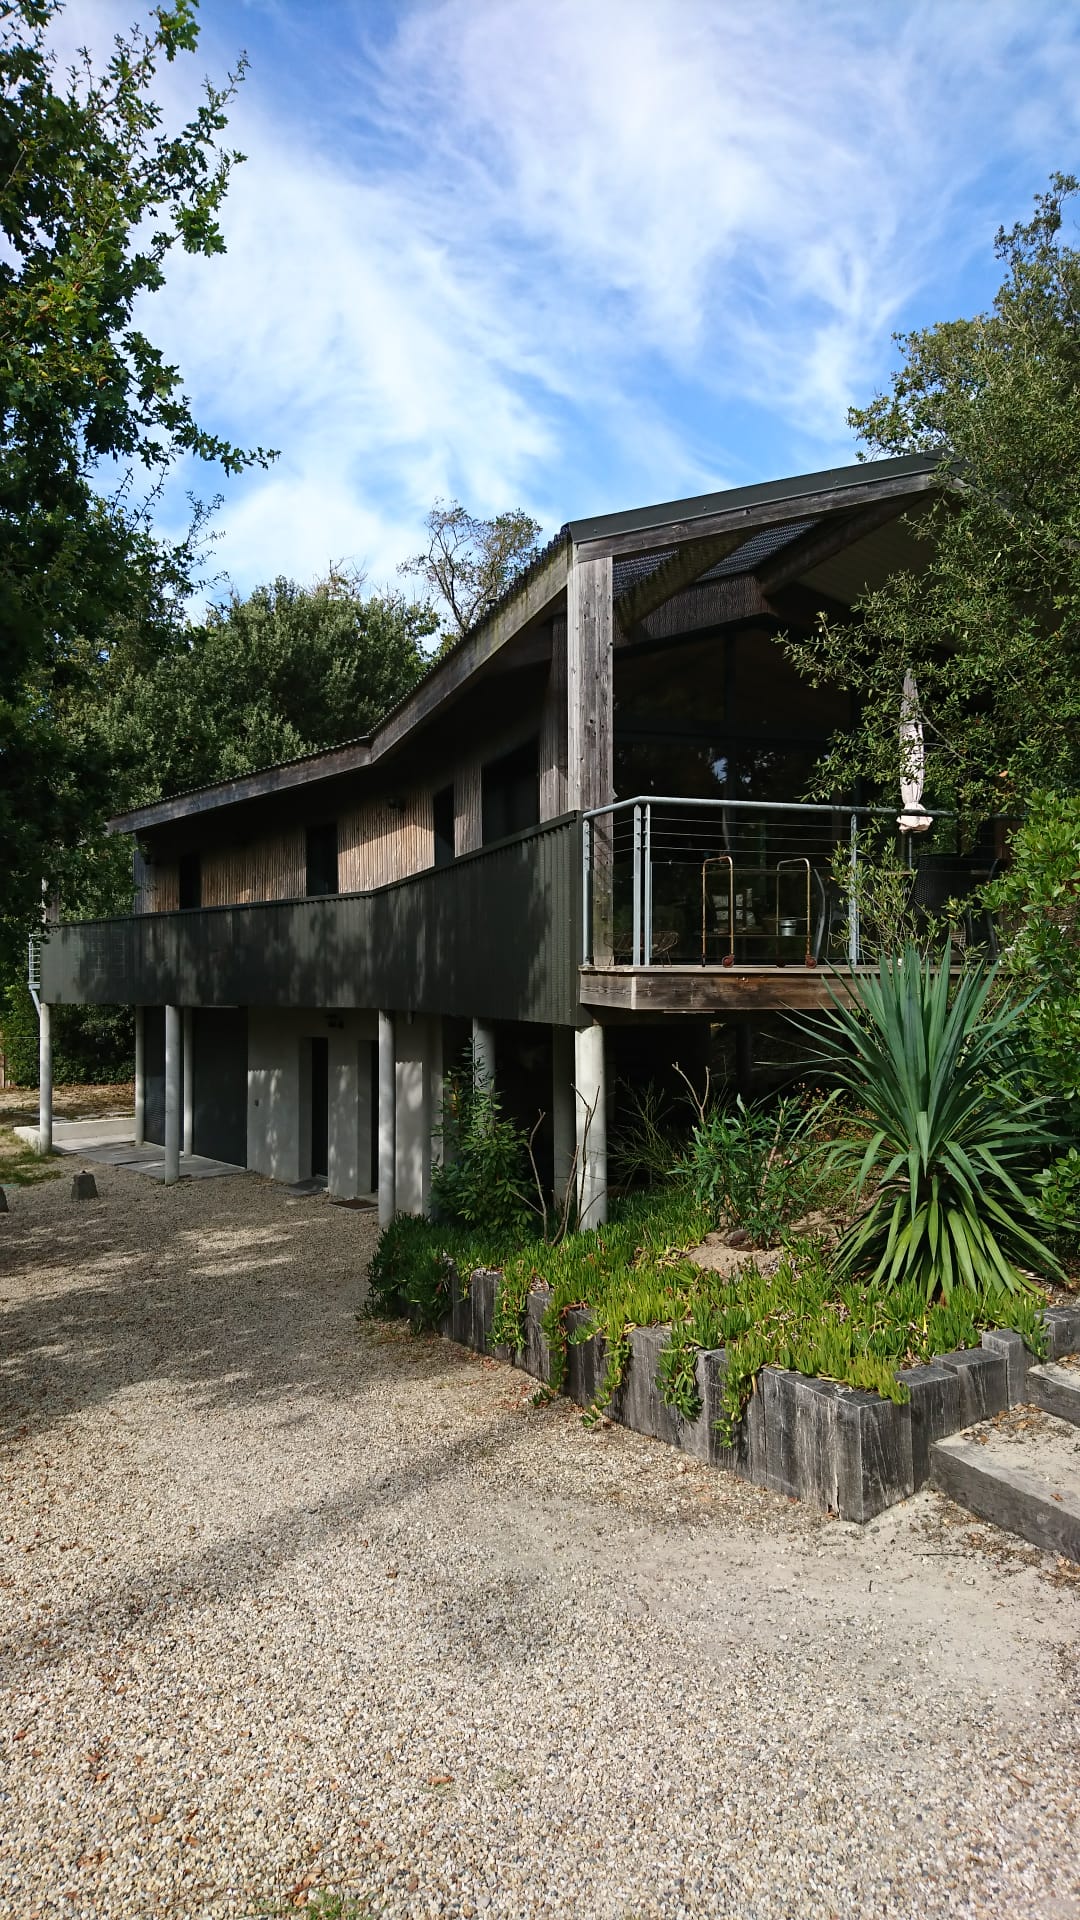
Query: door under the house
{"points": [[219, 1083]]}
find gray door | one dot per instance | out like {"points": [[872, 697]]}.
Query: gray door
{"points": [[219, 1083]]}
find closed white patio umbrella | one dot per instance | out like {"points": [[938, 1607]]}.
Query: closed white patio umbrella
{"points": [[912, 819]]}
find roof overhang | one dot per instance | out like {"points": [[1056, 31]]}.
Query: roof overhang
{"points": [[702, 529], [771, 503]]}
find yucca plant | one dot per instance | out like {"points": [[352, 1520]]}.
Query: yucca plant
{"points": [[954, 1148]]}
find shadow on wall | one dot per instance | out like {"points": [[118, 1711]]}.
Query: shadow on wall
{"points": [[496, 934]]}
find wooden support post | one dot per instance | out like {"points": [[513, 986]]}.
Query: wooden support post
{"points": [[173, 1050], [45, 1079], [589, 628], [140, 1076], [188, 1051], [387, 1119], [553, 799], [591, 1106]]}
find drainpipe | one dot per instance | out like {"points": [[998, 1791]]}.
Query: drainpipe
{"points": [[45, 1078]]}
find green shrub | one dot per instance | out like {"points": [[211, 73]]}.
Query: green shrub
{"points": [[482, 1181], [644, 1147], [1038, 898], [755, 1168], [91, 1045], [409, 1276], [1059, 1199], [955, 1147], [634, 1272]]}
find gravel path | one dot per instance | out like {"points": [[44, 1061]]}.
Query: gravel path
{"points": [[294, 1603]]}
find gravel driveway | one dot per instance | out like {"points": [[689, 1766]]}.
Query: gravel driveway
{"points": [[294, 1603]]}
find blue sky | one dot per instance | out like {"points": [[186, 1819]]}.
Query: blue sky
{"points": [[576, 255]]}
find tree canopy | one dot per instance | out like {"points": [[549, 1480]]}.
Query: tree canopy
{"points": [[284, 672], [94, 193], [991, 627], [469, 562]]}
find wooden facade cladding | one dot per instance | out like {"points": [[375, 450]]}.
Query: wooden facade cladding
{"points": [[589, 643], [554, 730], [160, 889], [468, 808], [271, 868], [382, 841]]}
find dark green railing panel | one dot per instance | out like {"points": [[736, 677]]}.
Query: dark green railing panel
{"points": [[496, 934]]}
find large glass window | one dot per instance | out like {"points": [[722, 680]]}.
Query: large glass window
{"points": [[510, 792]]}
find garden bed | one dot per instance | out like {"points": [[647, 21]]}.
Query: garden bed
{"points": [[843, 1449]]}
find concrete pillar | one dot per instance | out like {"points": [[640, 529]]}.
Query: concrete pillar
{"points": [[563, 1102], [387, 1120], [412, 1180], [188, 1050], [173, 1049], [483, 1047], [45, 1127], [140, 1076], [591, 1111]]}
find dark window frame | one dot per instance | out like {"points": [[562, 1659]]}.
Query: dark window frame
{"points": [[189, 881], [321, 855], [443, 824]]}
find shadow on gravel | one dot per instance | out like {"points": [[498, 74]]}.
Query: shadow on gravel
{"points": [[245, 1562], [241, 1310]]}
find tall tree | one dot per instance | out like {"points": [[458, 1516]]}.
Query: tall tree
{"points": [[991, 626], [468, 562], [95, 191], [284, 672]]}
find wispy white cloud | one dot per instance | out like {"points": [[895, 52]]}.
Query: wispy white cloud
{"points": [[574, 253]]}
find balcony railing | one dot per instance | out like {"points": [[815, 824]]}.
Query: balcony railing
{"points": [[756, 883]]}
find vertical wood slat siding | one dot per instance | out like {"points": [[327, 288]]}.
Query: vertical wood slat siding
{"points": [[468, 816], [268, 869], [378, 843], [163, 891], [553, 729]]}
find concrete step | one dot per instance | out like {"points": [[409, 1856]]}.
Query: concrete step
{"points": [[1055, 1389], [1022, 1472]]}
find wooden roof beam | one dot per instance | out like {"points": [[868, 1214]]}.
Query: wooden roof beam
{"points": [[633, 607], [823, 543]]}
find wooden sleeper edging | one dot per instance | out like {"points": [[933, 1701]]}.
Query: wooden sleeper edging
{"points": [[844, 1450]]}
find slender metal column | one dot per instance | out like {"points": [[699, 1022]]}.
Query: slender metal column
{"points": [[637, 887], [189, 1081], [591, 1108], [140, 1076], [45, 1083], [387, 1119], [173, 1049]]}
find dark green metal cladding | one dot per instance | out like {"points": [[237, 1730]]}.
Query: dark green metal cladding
{"points": [[497, 934]]}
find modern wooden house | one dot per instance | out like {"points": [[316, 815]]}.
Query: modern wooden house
{"points": [[578, 837]]}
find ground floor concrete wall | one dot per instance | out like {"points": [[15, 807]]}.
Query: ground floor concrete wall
{"points": [[279, 1095]]}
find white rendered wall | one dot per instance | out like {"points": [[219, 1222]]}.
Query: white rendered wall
{"points": [[418, 1041], [279, 1143]]}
